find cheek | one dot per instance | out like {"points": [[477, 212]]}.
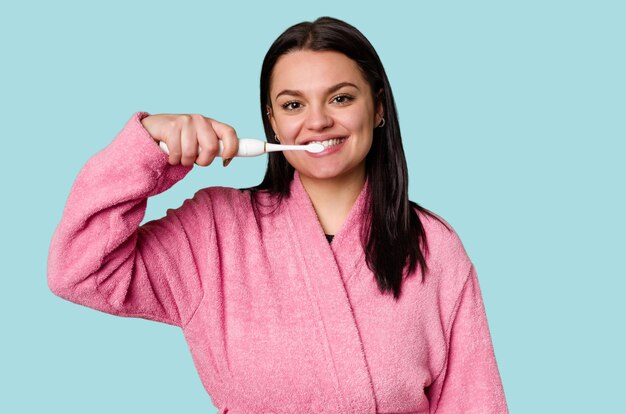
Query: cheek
{"points": [[288, 129], [360, 120]]}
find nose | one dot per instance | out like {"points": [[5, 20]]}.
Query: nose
{"points": [[318, 118]]}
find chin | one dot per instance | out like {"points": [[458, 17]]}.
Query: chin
{"points": [[330, 173], [320, 175], [331, 170]]}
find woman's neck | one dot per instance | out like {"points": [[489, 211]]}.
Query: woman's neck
{"points": [[333, 198]]}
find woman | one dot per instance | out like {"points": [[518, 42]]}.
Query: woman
{"points": [[280, 316]]}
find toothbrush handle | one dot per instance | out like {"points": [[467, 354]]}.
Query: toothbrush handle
{"points": [[248, 147]]}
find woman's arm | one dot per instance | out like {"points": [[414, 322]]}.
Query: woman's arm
{"points": [[470, 381], [100, 257]]}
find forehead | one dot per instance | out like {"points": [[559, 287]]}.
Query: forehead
{"points": [[311, 70]]}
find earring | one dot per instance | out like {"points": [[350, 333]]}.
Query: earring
{"points": [[382, 123], [276, 138]]}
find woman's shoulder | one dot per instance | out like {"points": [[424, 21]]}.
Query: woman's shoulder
{"points": [[444, 246], [224, 198], [237, 204]]}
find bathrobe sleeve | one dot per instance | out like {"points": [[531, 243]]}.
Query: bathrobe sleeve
{"points": [[469, 381], [102, 258]]}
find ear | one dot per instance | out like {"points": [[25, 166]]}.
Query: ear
{"points": [[379, 108], [270, 116]]}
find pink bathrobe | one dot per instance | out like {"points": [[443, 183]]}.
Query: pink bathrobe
{"points": [[277, 319]]}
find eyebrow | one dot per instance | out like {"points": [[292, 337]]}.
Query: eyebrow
{"points": [[332, 89]]}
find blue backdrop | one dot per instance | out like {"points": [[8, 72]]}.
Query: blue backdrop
{"points": [[513, 119]]}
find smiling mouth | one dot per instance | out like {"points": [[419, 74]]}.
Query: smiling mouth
{"points": [[329, 142]]}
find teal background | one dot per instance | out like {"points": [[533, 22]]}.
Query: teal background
{"points": [[513, 120]]}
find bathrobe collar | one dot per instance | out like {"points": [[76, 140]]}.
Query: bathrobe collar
{"points": [[329, 268]]}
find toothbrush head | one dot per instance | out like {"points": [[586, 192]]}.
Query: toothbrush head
{"points": [[315, 147]]}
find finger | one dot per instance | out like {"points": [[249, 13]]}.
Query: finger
{"points": [[228, 136], [207, 138], [173, 143], [189, 144]]}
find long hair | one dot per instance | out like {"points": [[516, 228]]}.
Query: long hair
{"points": [[392, 234]]}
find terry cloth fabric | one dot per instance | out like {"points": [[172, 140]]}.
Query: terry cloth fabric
{"points": [[278, 320]]}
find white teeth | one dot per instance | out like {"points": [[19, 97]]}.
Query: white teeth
{"points": [[330, 142]]}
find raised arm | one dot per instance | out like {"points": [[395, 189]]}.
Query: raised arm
{"points": [[102, 258]]}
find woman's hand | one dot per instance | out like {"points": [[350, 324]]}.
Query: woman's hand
{"points": [[184, 134]]}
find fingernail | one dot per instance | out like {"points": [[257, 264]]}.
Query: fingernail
{"points": [[226, 161]]}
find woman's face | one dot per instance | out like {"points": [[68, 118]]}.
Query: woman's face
{"points": [[323, 97]]}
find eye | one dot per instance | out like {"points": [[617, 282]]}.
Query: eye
{"points": [[291, 105], [343, 99]]}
